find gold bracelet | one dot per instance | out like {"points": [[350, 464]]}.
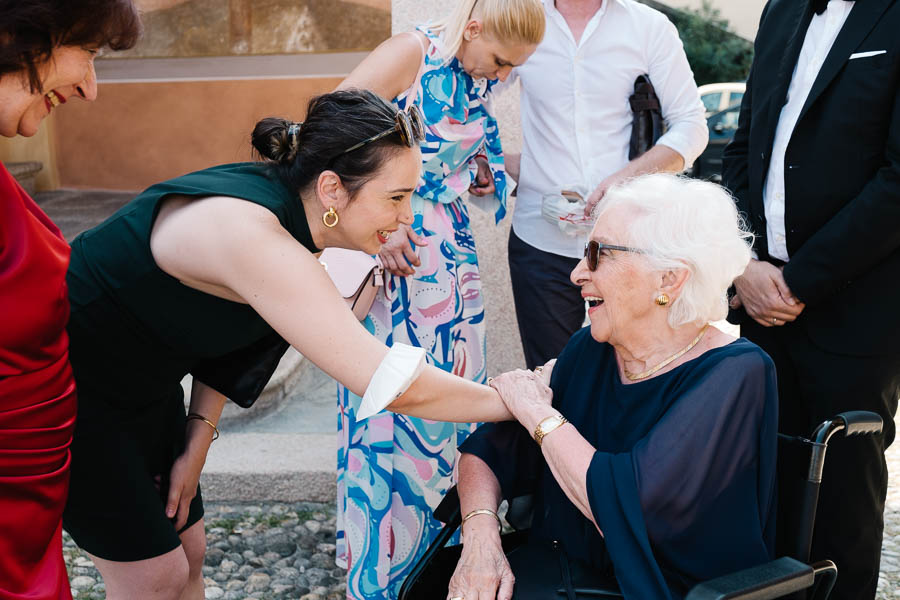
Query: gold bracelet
{"points": [[480, 511], [195, 416], [548, 425]]}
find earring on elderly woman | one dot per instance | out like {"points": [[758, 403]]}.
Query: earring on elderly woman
{"points": [[330, 219], [662, 299]]}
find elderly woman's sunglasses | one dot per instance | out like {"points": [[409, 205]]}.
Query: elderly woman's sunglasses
{"points": [[593, 248], [409, 124]]}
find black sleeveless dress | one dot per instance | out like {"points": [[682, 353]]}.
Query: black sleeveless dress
{"points": [[135, 332]]}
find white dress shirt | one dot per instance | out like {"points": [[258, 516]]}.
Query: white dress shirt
{"points": [[576, 119], [823, 30]]}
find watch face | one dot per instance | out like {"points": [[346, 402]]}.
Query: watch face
{"points": [[551, 422]]}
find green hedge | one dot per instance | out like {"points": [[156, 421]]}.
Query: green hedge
{"points": [[715, 53]]}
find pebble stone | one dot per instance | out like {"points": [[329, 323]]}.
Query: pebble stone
{"points": [[286, 551], [268, 550]]}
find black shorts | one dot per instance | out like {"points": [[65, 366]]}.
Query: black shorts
{"points": [[115, 510]]}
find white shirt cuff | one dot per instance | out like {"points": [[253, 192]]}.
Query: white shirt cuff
{"points": [[398, 369]]}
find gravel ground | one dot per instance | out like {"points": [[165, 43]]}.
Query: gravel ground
{"points": [[253, 551], [287, 551]]}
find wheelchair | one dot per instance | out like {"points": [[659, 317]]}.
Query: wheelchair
{"points": [[790, 576]]}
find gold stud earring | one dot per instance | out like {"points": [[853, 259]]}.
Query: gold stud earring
{"points": [[330, 219], [662, 299]]}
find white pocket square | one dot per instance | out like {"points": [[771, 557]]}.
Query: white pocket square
{"points": [[867, 54]]}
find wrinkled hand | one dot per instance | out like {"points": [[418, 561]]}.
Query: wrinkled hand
{"points": [[398, 256], [765, 295], [482, 572], [484, 180], [183, 482], [527, 394]]}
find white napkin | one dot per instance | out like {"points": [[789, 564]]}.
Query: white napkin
{"points": [[399, 368]]}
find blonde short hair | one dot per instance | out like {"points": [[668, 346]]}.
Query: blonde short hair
{"points": [[519, 21], [684, 223]]}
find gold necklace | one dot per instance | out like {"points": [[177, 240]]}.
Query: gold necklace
{"points": [[682, 352]]}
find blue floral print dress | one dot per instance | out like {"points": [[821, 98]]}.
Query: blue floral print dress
{"points": [[392, 469]]}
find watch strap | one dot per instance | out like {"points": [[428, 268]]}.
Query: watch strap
{"points": [[541, 431]]}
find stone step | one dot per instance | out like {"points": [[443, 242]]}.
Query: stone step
{"points": [[271, 467]]}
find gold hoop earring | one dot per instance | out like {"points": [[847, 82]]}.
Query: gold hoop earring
{"points": [[662, 300], [330, 219]]}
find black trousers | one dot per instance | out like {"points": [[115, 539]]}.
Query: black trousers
{"points": [[813, 385], [549, 307]]}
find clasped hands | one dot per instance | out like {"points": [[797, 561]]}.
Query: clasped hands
{"points": [[765, 295], [483, 573]]}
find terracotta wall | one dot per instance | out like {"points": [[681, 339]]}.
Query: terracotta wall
{"points": [[137, 134]]}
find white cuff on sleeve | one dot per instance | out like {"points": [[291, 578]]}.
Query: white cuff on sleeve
{"points": [[399, 368]]}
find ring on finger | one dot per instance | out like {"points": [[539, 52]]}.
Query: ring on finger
{"points": [[539, 370], [774, 320], [457, 598]]}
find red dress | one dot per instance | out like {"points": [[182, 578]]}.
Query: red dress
{"points": [[37, 398]]}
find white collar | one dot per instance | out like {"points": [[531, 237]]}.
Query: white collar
{"points": [[551, 4]]}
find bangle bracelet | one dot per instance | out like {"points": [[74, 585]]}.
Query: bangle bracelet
{"points": [[480, 511], [195, 416]]}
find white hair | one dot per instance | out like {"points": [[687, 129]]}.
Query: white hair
{"points": [[684, 223]]}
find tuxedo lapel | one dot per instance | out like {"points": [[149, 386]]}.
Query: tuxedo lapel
{"points": [[862, 19]]}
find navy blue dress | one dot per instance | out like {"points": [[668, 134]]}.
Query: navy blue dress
{"points": [[682, 482]]}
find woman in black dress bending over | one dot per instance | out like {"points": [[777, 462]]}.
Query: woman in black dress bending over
{"points": [[200, 275]]}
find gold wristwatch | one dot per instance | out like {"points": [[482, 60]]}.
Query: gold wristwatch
{"points": [[547, 425]]}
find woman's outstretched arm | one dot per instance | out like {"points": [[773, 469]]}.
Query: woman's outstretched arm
{"points": [[239, 250]]}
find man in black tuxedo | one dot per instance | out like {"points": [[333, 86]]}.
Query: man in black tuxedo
{"points": [[815, 168]]}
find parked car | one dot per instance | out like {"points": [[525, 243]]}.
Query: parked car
{"points": [[719, 96], [722, 126]]}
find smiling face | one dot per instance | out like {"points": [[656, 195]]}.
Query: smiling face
{"points": [[382, 204], [621, 290], [69, 73], [483, 55]]}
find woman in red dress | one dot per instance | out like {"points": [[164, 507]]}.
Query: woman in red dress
{"points": [[47, 49]]}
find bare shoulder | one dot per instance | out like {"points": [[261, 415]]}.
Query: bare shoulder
{"points": [[190, 231], [391, 67]]}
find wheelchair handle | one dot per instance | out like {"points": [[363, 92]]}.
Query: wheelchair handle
{"points": [[861, 422], [852, 422]]}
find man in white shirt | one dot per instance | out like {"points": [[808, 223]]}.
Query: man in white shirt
{"points": [[576, 124], [815, 168]]}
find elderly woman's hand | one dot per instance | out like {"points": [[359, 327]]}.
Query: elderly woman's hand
{"points": [[482, 572], [527, 394]]}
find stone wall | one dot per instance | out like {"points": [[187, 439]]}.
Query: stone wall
{"points": [[189, 28]]}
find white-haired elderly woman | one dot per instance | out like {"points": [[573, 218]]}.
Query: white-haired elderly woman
{"points": [[652, 451]]}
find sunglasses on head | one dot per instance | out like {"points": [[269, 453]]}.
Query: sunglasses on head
{"points": [[593, 248], [408, 123]]}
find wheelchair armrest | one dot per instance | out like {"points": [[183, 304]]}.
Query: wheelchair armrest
{"points": [[861, 422], [763, 582], [448, 510]]}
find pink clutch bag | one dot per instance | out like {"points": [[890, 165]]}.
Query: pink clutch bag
{"points": [[356, 275]]}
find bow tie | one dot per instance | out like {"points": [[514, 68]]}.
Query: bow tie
{"points": [[819, 6]]}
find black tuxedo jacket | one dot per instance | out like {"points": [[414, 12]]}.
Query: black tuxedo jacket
{"points": [[842, 172]]}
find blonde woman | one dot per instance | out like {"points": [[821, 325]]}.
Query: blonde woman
{"points": [[393, 470]]}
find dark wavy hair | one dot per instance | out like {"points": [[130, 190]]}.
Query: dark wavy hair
{"points": [[31, 29], [300, 152]]}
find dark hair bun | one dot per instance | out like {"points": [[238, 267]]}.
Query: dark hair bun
{"points": [[276, 139], [334, 123]]}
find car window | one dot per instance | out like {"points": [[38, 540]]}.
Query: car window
{"points": [[735, 98], [728, 119], [711, 101]]}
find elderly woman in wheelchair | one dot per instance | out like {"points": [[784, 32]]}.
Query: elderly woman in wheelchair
{"points": [[650, 445]]}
